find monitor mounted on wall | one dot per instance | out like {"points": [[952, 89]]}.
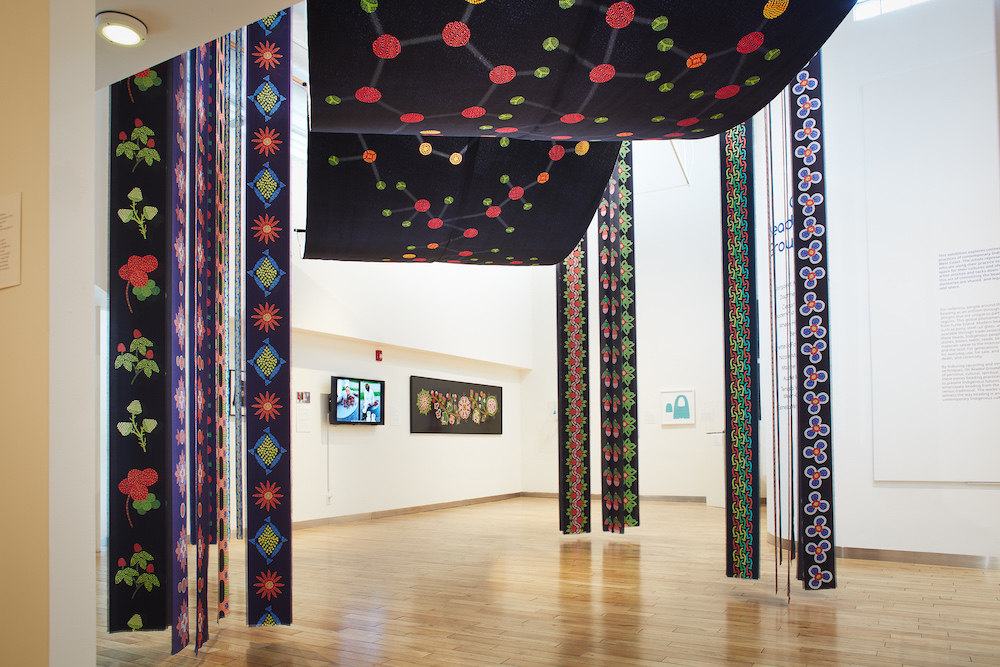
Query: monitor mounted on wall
{"points": [[356, 401]]}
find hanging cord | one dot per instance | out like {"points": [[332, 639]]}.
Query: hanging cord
{"points": [[772, 307], [792, 356]]}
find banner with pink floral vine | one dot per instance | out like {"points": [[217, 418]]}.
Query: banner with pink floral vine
{"points": [[444, 406]]}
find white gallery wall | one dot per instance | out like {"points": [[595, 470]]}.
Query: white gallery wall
{"points": [[912, 177], [497, 325], [346, 469]]}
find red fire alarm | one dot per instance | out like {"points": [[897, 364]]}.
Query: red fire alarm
{"points": [[378, 355]]}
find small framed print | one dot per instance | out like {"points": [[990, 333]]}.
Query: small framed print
{"points": [[677, 407]]}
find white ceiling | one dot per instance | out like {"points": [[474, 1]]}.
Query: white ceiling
{"points": [[174, 26]]}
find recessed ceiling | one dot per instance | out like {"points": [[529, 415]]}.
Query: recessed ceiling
{"points": [[174, 27]]}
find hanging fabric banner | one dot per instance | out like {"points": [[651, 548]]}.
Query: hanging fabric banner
{"points": [[268, 339], [141, 442], [612, 461], [542, 70], [574, 428], [817, 567], [740, 316], [629, 384], [179, 423], [223, 124], [236, 366], [204, 326], [451, 199]]}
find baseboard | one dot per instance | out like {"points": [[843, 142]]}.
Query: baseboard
{"points": [[910, 557], [366, 516]]}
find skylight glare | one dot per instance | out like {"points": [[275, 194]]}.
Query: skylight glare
{"points": [[866, 9]]}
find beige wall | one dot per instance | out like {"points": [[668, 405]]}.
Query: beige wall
{"points": [[24, 336]]}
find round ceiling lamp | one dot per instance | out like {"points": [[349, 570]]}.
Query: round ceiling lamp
{"points": [[121, 29]]}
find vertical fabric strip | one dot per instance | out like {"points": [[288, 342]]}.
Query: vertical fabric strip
{"points": [[614, 442], [179, 425], [204, 315], [223, 125], [239, 102], [629, 381], [268, 337], [574, 428], [817, 567], [139, 402], [740, 316]]}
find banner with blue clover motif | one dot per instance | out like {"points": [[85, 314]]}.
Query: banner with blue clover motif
{"points": [[817, 566], [742, 377], [574, 429], [267, 334], [142, 378]]}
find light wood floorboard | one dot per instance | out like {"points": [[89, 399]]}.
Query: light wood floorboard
{"points": [[496, 584]]}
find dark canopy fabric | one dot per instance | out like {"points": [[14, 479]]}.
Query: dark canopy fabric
{"points": [[556, 69], [475, 201], [399, 84]]}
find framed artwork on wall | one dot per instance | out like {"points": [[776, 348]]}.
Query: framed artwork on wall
{"points": [[446, 406], [677, 407]]}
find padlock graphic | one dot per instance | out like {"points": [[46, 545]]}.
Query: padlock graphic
{"points": [[682, 411]]}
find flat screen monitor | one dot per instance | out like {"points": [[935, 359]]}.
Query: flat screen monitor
{"points": [[356, 401]]}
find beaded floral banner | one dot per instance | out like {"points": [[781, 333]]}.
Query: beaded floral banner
{"points": [[574, 427], [740, 316], [204, 318], [817, 566], [617, 387], [267, 333], [141, 446], [179, 422]]}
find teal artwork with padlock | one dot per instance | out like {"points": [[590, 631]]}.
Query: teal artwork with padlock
{"points": [[677, 407]]}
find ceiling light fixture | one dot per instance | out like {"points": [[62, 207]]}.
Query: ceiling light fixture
{"points": [[121, 29]]}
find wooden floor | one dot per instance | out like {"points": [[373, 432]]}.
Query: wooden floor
{"points": [[496, 584]]}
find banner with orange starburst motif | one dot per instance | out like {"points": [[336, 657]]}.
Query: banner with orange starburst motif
{"points": [[267, 334]]}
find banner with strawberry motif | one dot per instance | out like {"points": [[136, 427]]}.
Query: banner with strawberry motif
{"points": [[267, 335], [141, 379], [817, 566], [574, 427], [619, 474]]}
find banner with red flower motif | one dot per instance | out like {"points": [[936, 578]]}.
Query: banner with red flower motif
{"points": [[574, 427], [267, 335], [817, 566], [141, 255]]}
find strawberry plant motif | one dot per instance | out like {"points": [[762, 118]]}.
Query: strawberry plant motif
{"points": [[136, 272], [138, 572], [139, 429], [138, 146], [136, 488], [133, 214], [138, 356], [146, 79]]}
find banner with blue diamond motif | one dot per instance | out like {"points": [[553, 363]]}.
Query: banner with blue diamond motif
{"points": [[267, 335]]}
